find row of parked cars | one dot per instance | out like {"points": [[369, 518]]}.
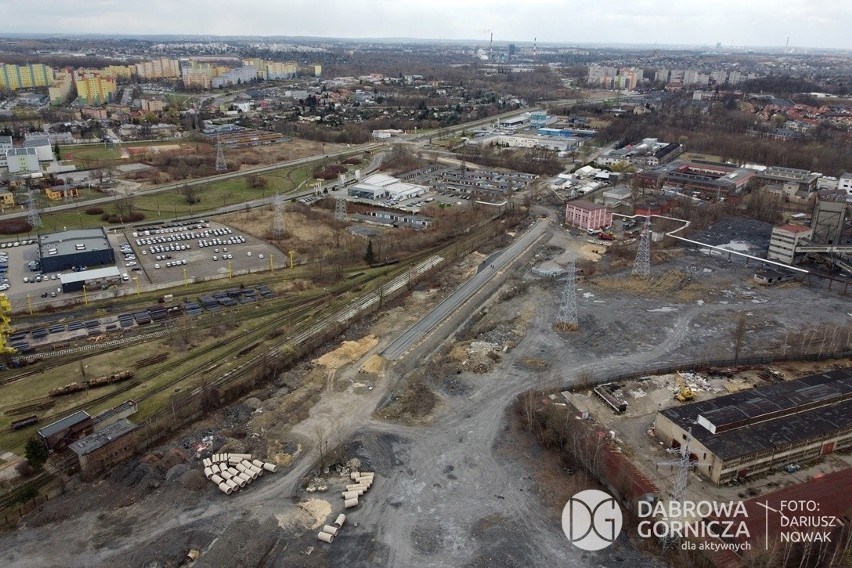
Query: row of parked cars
{"points": [[155, 249], [129, 259], [214, 242], [4, 269], [17, 243]]}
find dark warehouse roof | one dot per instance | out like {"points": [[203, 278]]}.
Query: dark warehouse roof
{"points": [[783, 414]]}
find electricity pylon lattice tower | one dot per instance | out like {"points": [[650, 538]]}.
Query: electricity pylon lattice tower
{"points": [[340, 210], [33, 218], [642, 264], [221, 164], [278, 218], [566, 318], [683, 465]]}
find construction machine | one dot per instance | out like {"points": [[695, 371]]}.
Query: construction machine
{"points": [[684, 393]]}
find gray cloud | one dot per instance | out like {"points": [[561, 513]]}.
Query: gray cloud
{"points": [[816, 23]]}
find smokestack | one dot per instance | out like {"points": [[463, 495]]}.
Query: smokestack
{"points": [[491, 47]]}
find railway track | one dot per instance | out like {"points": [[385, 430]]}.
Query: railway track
{"points": [[340, 317], [293, 316]]}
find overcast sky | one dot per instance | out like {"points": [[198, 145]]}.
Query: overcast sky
{"points": [[808, 23]]}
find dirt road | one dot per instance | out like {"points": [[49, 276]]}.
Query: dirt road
{"points": [[445, 494]]}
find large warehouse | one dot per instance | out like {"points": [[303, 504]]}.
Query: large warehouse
{"points": [[755, 431], [69, 249]]}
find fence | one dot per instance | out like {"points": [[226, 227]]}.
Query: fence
{"points": [[727, 362]]}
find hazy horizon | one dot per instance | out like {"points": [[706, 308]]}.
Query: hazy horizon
{"points": [[817, 24]]}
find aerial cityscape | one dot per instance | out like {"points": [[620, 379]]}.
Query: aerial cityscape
{"points": [[442, 285]]}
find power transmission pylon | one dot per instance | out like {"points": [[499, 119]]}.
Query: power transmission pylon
{"points": [[642, 264], [33, 218], [566, 319], [340, 210], [221, 165], [278, 218], [683, 464]]}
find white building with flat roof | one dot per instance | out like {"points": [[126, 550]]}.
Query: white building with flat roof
{"points": [[401, 191], [22, 160]]}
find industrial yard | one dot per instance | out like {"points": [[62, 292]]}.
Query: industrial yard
{"points": [[432, 432]]}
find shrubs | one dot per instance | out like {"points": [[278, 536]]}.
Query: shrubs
{"points": [[14, 226], [94, 211], [128, 218], [329, 172]]}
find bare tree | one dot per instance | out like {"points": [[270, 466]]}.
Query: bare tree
{"points": [[321, 439], [190, 193], [739, 336]]}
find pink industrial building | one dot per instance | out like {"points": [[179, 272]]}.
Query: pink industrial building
{"points": [[587, 215]]}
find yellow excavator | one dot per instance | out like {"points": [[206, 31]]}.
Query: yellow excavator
{"points": [[684, 393]]}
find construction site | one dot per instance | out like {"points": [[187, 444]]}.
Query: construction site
{"points": [[447, 412]]}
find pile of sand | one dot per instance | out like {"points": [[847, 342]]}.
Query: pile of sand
{"points": [[375, 365], [592, 252], [348, 352], [319, 509]]}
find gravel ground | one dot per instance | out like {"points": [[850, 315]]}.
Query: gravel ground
{"points": [[447, 493]]}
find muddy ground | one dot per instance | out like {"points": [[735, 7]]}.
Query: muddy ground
{"points": [[456, 484]]}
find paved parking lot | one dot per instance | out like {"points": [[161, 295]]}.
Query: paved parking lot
{"points": [[192, 245], [196, 251], [17, 270]]}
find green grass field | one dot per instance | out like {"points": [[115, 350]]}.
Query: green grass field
{"points": [[164, 206]]}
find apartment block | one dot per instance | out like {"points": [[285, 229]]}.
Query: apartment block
{"points": [[118, 71], [281, 70], [63, 82], [162, 68], [92, 89], [235, 76], [14, 77]]}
